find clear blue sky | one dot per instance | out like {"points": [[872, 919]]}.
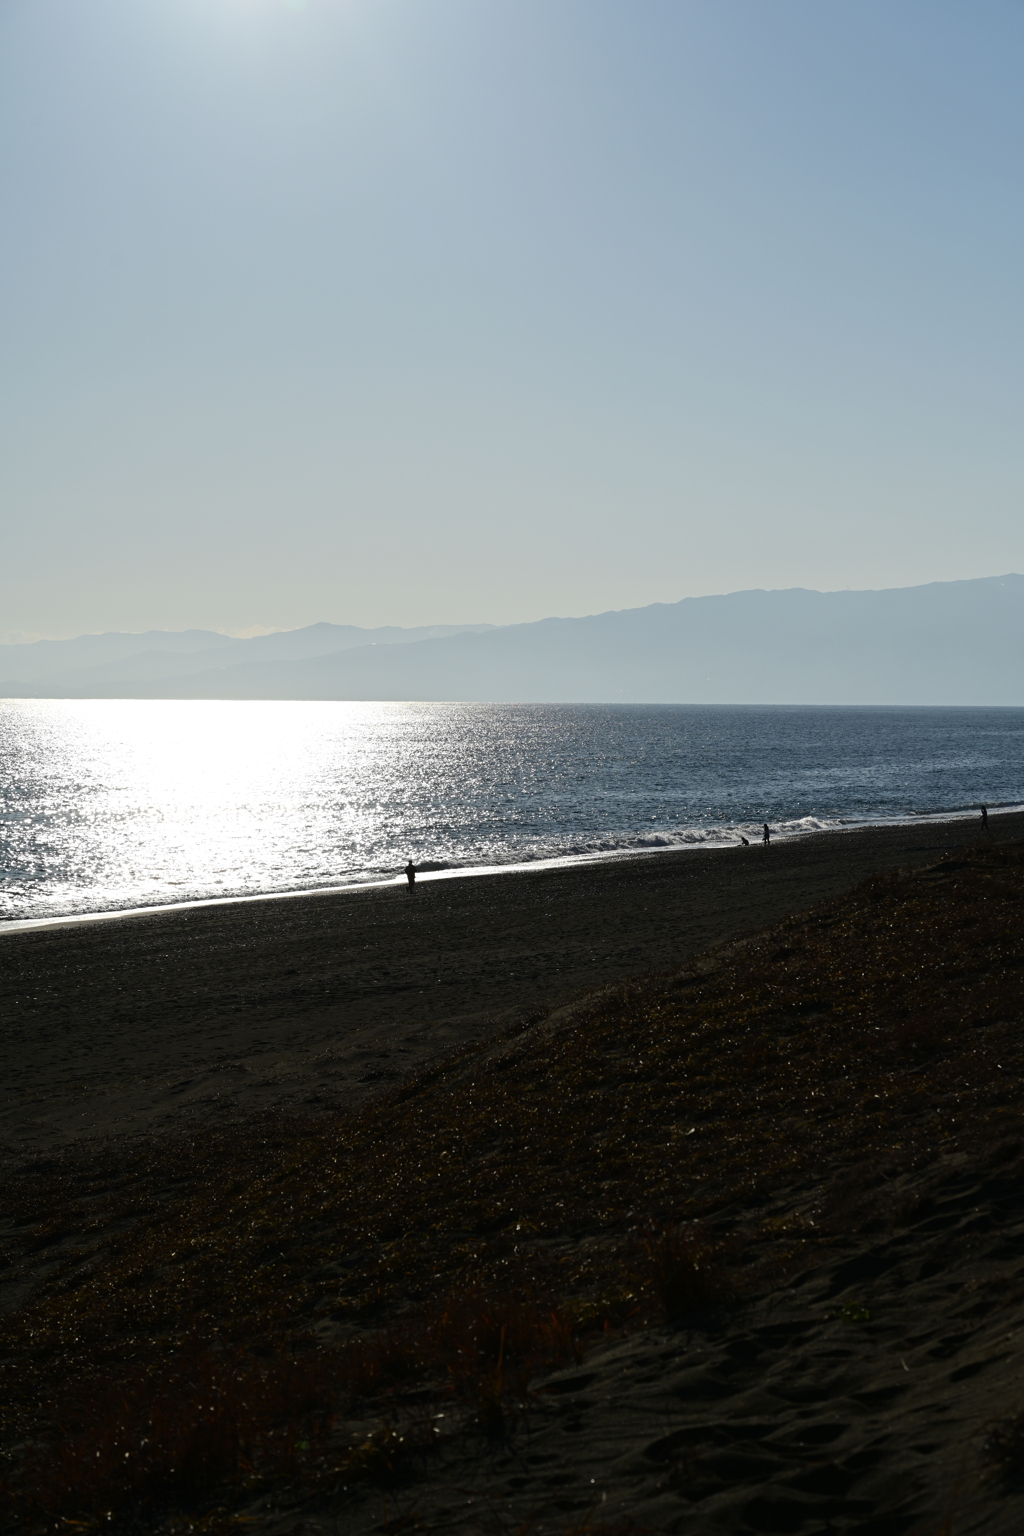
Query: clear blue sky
{"points": [[399, 311]]}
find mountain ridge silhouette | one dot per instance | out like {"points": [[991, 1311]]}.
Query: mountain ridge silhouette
{"points": [[958, 642]]}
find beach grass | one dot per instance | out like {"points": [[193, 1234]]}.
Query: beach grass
{"points": [[311, 1302]]}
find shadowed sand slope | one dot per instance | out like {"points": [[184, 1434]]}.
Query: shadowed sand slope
{"points": [[737, 1246], [859, 1398]]}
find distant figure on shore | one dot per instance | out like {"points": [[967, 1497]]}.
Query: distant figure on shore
{"points": [[766, 839], [410, 872], [984, 818], [745, 841]]}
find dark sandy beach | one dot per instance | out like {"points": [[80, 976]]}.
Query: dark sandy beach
{"points": [[149, 1023], [831, 1108]]}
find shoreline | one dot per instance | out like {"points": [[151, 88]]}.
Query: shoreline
{"points": [[463, 872], [174, 1020]]}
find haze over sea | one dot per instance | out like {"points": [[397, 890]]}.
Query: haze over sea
{"points": [[116, 804]]}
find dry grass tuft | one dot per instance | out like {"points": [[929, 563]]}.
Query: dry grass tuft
{"points": [[493, 1349], [686, 1271], [1003, 1449]]}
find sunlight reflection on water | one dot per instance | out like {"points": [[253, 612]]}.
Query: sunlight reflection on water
{"points": [[108, 804]]}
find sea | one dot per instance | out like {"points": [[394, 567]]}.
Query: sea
{"points": [[115, 805]]}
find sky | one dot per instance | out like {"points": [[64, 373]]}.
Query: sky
{"points": [[422, 311]]}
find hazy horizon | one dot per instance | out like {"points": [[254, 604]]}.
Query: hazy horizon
{"points": [[376, 312]]}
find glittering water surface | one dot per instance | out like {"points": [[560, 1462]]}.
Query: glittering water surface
{"points": [[124, 803]]}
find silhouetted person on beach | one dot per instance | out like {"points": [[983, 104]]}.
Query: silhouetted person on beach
{"points": [[410, 872], [745, 841], [984, 818], [766, 839]]}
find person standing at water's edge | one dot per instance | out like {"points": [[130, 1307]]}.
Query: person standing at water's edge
{"points": [[410, 872], [984, 818], [766, 839]]}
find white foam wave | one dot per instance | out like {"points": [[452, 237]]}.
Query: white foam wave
{"points": [[685, 837], [717, 836]]}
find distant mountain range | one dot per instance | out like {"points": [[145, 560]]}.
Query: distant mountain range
{"points": [[955, 642], [115, 665]]}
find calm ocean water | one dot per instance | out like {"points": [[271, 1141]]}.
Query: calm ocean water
{"points": [[106, 805]]}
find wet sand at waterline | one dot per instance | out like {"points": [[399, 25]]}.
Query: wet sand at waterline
{"points": [[157, 1022]]}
